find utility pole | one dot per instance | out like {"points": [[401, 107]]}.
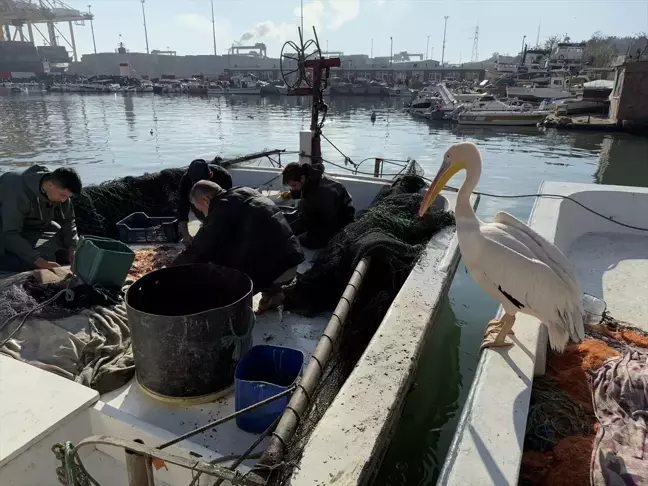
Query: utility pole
{"points": [[445, 27], [213, 27], [94, 43], [522, 51], [391, 51], [145, 30], [427, 48], [474, 57], [371, 55]]}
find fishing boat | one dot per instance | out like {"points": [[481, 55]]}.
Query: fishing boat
{"points": [[61, 428], [490, 111], [609, 259]]}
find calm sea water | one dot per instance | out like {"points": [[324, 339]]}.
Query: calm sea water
{"points": [[111, 136]]}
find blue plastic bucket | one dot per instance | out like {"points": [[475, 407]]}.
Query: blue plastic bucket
{"points": [[264, 372]]}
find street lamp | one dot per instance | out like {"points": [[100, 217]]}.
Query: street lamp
{"points": [[522, 51], [145, 30], [445, 26], [94, 43]]}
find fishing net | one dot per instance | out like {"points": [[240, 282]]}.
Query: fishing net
{"points": [[395, 237], [561, 425], [100, 207]]}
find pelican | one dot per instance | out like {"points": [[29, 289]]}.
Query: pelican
{"points": [[511, 262]]}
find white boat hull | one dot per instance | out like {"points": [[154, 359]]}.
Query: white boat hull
{"points": [[501, 119], [539, 94]]}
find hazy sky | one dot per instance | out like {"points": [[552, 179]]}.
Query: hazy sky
{"points": [[349, 25]]}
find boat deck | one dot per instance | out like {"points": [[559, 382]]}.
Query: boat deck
{"points": [[276, 328], [614, 268]]}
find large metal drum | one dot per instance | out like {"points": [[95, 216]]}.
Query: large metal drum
{"points": [[190, 326]]}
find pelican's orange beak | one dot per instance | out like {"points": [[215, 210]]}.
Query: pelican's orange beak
{"points": [[440, 180]]}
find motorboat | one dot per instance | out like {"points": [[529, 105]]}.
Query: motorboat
{"points": [[490, 111], [559, 88], [274, 88]]}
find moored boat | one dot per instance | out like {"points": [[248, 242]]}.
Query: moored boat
{"points": [[609, 259]]}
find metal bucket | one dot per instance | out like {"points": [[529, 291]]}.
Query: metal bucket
{"points": [[190, 326]]}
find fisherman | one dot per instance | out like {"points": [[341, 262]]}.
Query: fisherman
{"points": [[246, 231], [37, 226], [325, 206], [199, 170]]}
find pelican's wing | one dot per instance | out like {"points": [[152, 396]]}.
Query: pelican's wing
{"points": [[529, 283], [543, 249]]}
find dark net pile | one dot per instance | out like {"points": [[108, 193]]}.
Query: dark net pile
{"points": [[395, 237], [100, 207]]}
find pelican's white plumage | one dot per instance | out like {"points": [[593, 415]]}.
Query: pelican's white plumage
{"points": [[510, 261]]}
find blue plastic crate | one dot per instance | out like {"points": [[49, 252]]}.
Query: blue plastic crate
{"points": [[140, 228], [264, 372]]}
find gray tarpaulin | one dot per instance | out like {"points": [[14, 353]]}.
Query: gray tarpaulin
{"points": [[620, 397], [91, 347]]}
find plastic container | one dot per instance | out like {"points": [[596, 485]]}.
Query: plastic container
{"points": [[140, 228], [264, 372], [190, 326], [102, 261]]}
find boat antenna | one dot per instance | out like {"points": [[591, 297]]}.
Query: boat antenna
{"points": [[538, 36]]}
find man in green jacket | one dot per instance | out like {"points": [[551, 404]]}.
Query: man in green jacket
{"points": [[37, 227]]}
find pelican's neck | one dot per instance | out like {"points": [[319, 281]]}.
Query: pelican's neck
{"points": [[464, 210]]}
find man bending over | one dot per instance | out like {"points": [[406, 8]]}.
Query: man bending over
{"points": [[246, 231]]}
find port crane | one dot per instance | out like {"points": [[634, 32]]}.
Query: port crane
{"points": [[19, 13]]}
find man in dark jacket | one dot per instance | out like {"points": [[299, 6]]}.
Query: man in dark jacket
{"points": [[246, 231], [325, 207], [199, 170], [37, 227]]}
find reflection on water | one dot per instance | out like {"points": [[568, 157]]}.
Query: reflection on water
{"points": [[412, 456], [115, 135]]}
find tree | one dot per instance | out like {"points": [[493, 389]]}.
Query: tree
{"points": [[551, 42]]}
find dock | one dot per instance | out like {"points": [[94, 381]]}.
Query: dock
{"points": [[593, 123]]}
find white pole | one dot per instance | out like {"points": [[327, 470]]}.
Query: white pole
{"points": [[145, 29], [213, 27]]}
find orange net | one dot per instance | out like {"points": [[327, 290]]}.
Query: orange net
{"points": [[568, 462], [149, 259]]}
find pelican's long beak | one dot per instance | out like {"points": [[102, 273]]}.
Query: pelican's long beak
{"points": [[440, 180]]}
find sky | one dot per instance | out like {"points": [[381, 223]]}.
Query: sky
{"points": [[350, 25]]}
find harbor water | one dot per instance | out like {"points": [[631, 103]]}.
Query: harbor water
{"points": [[110, 136]]}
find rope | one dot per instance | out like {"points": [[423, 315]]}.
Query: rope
{"points": [[554, 415], [25, 315], [248, 451], [512, 196], [346, 158], [232, 416]]}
